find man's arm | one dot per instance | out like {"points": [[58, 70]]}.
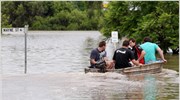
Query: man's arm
{"points": [[132, 58], [140, 50], [114, 61], [93, 56], [142, 55], [161, 54], [93, 61], [135, 62]]}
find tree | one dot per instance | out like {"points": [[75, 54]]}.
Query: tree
{"points": [[4, 23], [53, 15], [157, 19]]}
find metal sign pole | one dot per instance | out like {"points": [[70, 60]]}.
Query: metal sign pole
{"points": [[114, 37], [25, 41], [115, 43]]}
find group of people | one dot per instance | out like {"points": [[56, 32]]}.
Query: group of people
{"points": [[130, 54]]}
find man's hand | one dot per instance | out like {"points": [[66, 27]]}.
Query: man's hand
{"points": [[110, 64], [141, 64], [164, 60]]}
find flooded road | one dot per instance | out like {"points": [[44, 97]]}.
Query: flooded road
{"points": [[48, 51], [56, 60]]}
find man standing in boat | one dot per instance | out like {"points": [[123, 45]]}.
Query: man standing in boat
{"points": [[150, 49], [99, 55], [137, 50], [123, 56]]}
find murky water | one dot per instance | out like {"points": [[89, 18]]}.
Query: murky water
{"points": [[56, 60], [48, 51]]}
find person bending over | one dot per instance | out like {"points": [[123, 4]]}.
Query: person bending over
{"points": [[150, 49]]}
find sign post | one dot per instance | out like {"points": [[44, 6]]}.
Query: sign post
{"points": [[114, 38], [12, 30], [25, 51], [24, 31]]}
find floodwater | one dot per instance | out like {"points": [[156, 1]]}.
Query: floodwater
{"points": [[55, 65]]}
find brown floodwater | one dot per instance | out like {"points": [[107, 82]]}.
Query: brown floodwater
{"points": [[56, 62]]}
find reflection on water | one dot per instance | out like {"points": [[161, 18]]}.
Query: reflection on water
{"points": [[150, 89], [56, 60]]}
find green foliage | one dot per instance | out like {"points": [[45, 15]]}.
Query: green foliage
{"points": [[4, 23], [156, 19], [54, 15]]}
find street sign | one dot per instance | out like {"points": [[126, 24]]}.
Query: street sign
{"points": [[21, 31], [12, 30], [114, 36]]}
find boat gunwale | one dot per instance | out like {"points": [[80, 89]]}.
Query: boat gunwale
{"points": [[130, 69]]}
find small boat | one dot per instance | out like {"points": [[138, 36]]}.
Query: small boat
{"points": [[152, 68]]}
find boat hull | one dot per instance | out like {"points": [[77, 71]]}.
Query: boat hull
{"points": [[147, 68]]}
